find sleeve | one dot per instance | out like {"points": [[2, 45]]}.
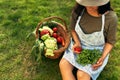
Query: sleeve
{"points": [[112, 30]]}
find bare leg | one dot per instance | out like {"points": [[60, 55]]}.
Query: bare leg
{"points": [[81, 75], [66, 70]]}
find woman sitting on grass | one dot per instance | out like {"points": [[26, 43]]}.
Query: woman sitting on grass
{"points": [[93, 26]]}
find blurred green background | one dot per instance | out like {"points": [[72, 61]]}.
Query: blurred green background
{"points": [[20, 17]]}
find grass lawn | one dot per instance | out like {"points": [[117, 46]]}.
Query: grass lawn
{"points": [[17, 19]]}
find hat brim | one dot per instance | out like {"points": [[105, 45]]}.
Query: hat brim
{"points": [[92, 2]]}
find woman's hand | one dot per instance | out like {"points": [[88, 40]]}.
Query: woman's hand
{"points": [[76, 48], [106, 50], [98, 64]]}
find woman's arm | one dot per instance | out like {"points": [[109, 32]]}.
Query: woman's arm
{"points": [[107, 48], [110, 37], [76, 41], [75, 37]]}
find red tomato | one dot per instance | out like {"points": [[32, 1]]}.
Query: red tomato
{"points": [[59, 39], [78, 49], [44, 32], [55, 29], [55, 35]]}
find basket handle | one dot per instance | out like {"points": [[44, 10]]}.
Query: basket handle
{"points": [[46, 19]]}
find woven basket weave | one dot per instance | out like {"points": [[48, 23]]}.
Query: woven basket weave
{"points": [[62, 29]]}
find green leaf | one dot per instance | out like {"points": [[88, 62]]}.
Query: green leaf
{"points": [[88, 56]]}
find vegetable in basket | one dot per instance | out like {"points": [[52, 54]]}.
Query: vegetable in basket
{"points": [[46, 29], [55, 29], [44, 37], [61, 40], [51, 45], [37, 50], [43, 32]]}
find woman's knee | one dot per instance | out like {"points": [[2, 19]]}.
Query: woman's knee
{"points": [[81, 75], [66, 70], [61, 63], [64, 64]]}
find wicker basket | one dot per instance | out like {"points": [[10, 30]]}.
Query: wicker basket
{"points": [[62, 29]]}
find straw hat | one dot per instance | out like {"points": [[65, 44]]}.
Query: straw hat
{"points": [[92, 2]]}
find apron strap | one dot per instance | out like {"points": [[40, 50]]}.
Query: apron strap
{"points": [[79, 17], [103, 22]]}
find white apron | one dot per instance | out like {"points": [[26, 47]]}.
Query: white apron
{"points": [[94, 40]]}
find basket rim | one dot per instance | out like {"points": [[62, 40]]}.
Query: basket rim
{"points": [[47, 19]]}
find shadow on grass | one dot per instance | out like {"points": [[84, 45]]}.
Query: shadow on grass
{"points": [[48, 70]]}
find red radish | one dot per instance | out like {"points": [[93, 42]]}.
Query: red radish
{"points": [[55, 35], [59, 39], [44, 32], [78, 49], [55, 29]]}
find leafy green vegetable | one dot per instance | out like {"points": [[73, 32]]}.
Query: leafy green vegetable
{"points": [[37, 50], [50, 24], [44, 37], [88, 56]]}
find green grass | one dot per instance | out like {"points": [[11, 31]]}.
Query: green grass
{"points": [[17, 19]]}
